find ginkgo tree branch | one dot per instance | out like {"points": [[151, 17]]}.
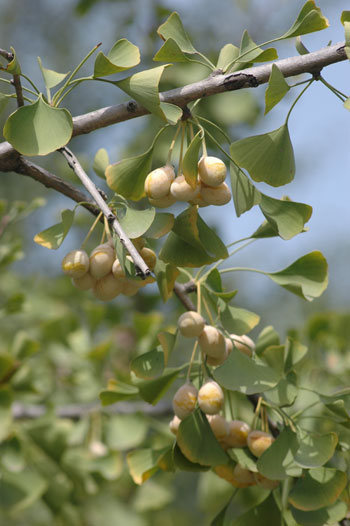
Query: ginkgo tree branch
{"points": [[216, 83]]}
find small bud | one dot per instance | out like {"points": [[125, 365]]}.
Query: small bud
{"points": [[210, 398], [212, 342], [216, 195], [191, 324], [212, 171], [185, 400], [76, 263], [107, 288], [157, 182], [258, 442]]}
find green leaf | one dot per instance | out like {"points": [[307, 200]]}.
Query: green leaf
{"points": [[318, 488], [274, 357], [101, 161], [167, 340], [245, 195], [166, 275], [125, 432], [127, 177], [238, 321], [245, 374], [315, 450], [265, 513], [227, 55], [144, 88], [309, 20], [152, 496], [143, 463], [54, 236], [276, 89], [214, 288], [118, 391], [7, 363], [192, 243], [148, 365], [123, 55], [307, 277], [346, 24], [197, 441], [286, 217], [345, 17], [277, 462], [183, 464], [152, 390], [170, 52], [5, 412], [13, 66], [173, 28], [267, 337], [163, 222], [328, 516], [346, 103], [269, 157], [20, 490], [265, 230], [299, 46], [3, 101], [252, 53], [51, 78], [38, 129], [190, 160], [243, 501], [136, 222], [296, 352], [171, 112], [285, 392], [244, 458]]}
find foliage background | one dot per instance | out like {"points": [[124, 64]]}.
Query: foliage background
{"points": [[82, 343]]}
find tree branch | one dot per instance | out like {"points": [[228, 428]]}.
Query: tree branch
{"points": [[141, 267], [212, 85]]}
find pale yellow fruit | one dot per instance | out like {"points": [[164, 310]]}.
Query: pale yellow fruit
{"points": [[157, 182], [198, 200], [130, 287], [144, 282], [237, 476], [149, 257], [86, 282], [237, 434], [191, 324], [229, 345], [117, 270], [216, 195], [107, 288], [210, 398], [138, 242], [243, 477], [264, 482], [76, 263], [214, 362], [212, 171], [185, 400], [219, 427], [243, 343], [258, 442], [212, 342], [174, 425], [162, 202], [182, 191], [101, 261]]}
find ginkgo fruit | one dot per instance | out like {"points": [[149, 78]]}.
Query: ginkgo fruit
{"points": [[76, 263], [210, 398], [107, 288], [216, 195], [182, 191], [157, 182], [149, 257], [191, 324], [265, 482], [237, 433], [211, 170], [243, 343], [185, 400], [162, 202], [174, 424], [101, 261], [212, 342], [259, 441], [86, 282], [219, 427]]}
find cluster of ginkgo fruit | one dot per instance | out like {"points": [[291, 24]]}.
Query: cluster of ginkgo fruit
{"points": [[102, 272], [163, 188], [210, 399]]}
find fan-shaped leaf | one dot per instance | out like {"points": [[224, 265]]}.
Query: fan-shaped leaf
{"points": [[276, 89], [123, 55], [286, 217], [54, 236], [309, 19]]}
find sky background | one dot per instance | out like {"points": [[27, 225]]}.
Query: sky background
{"points": [[319, 127]]}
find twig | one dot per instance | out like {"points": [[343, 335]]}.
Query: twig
{"points": [[181, 292], [16, 78], [254, 399], [141, 267]]}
